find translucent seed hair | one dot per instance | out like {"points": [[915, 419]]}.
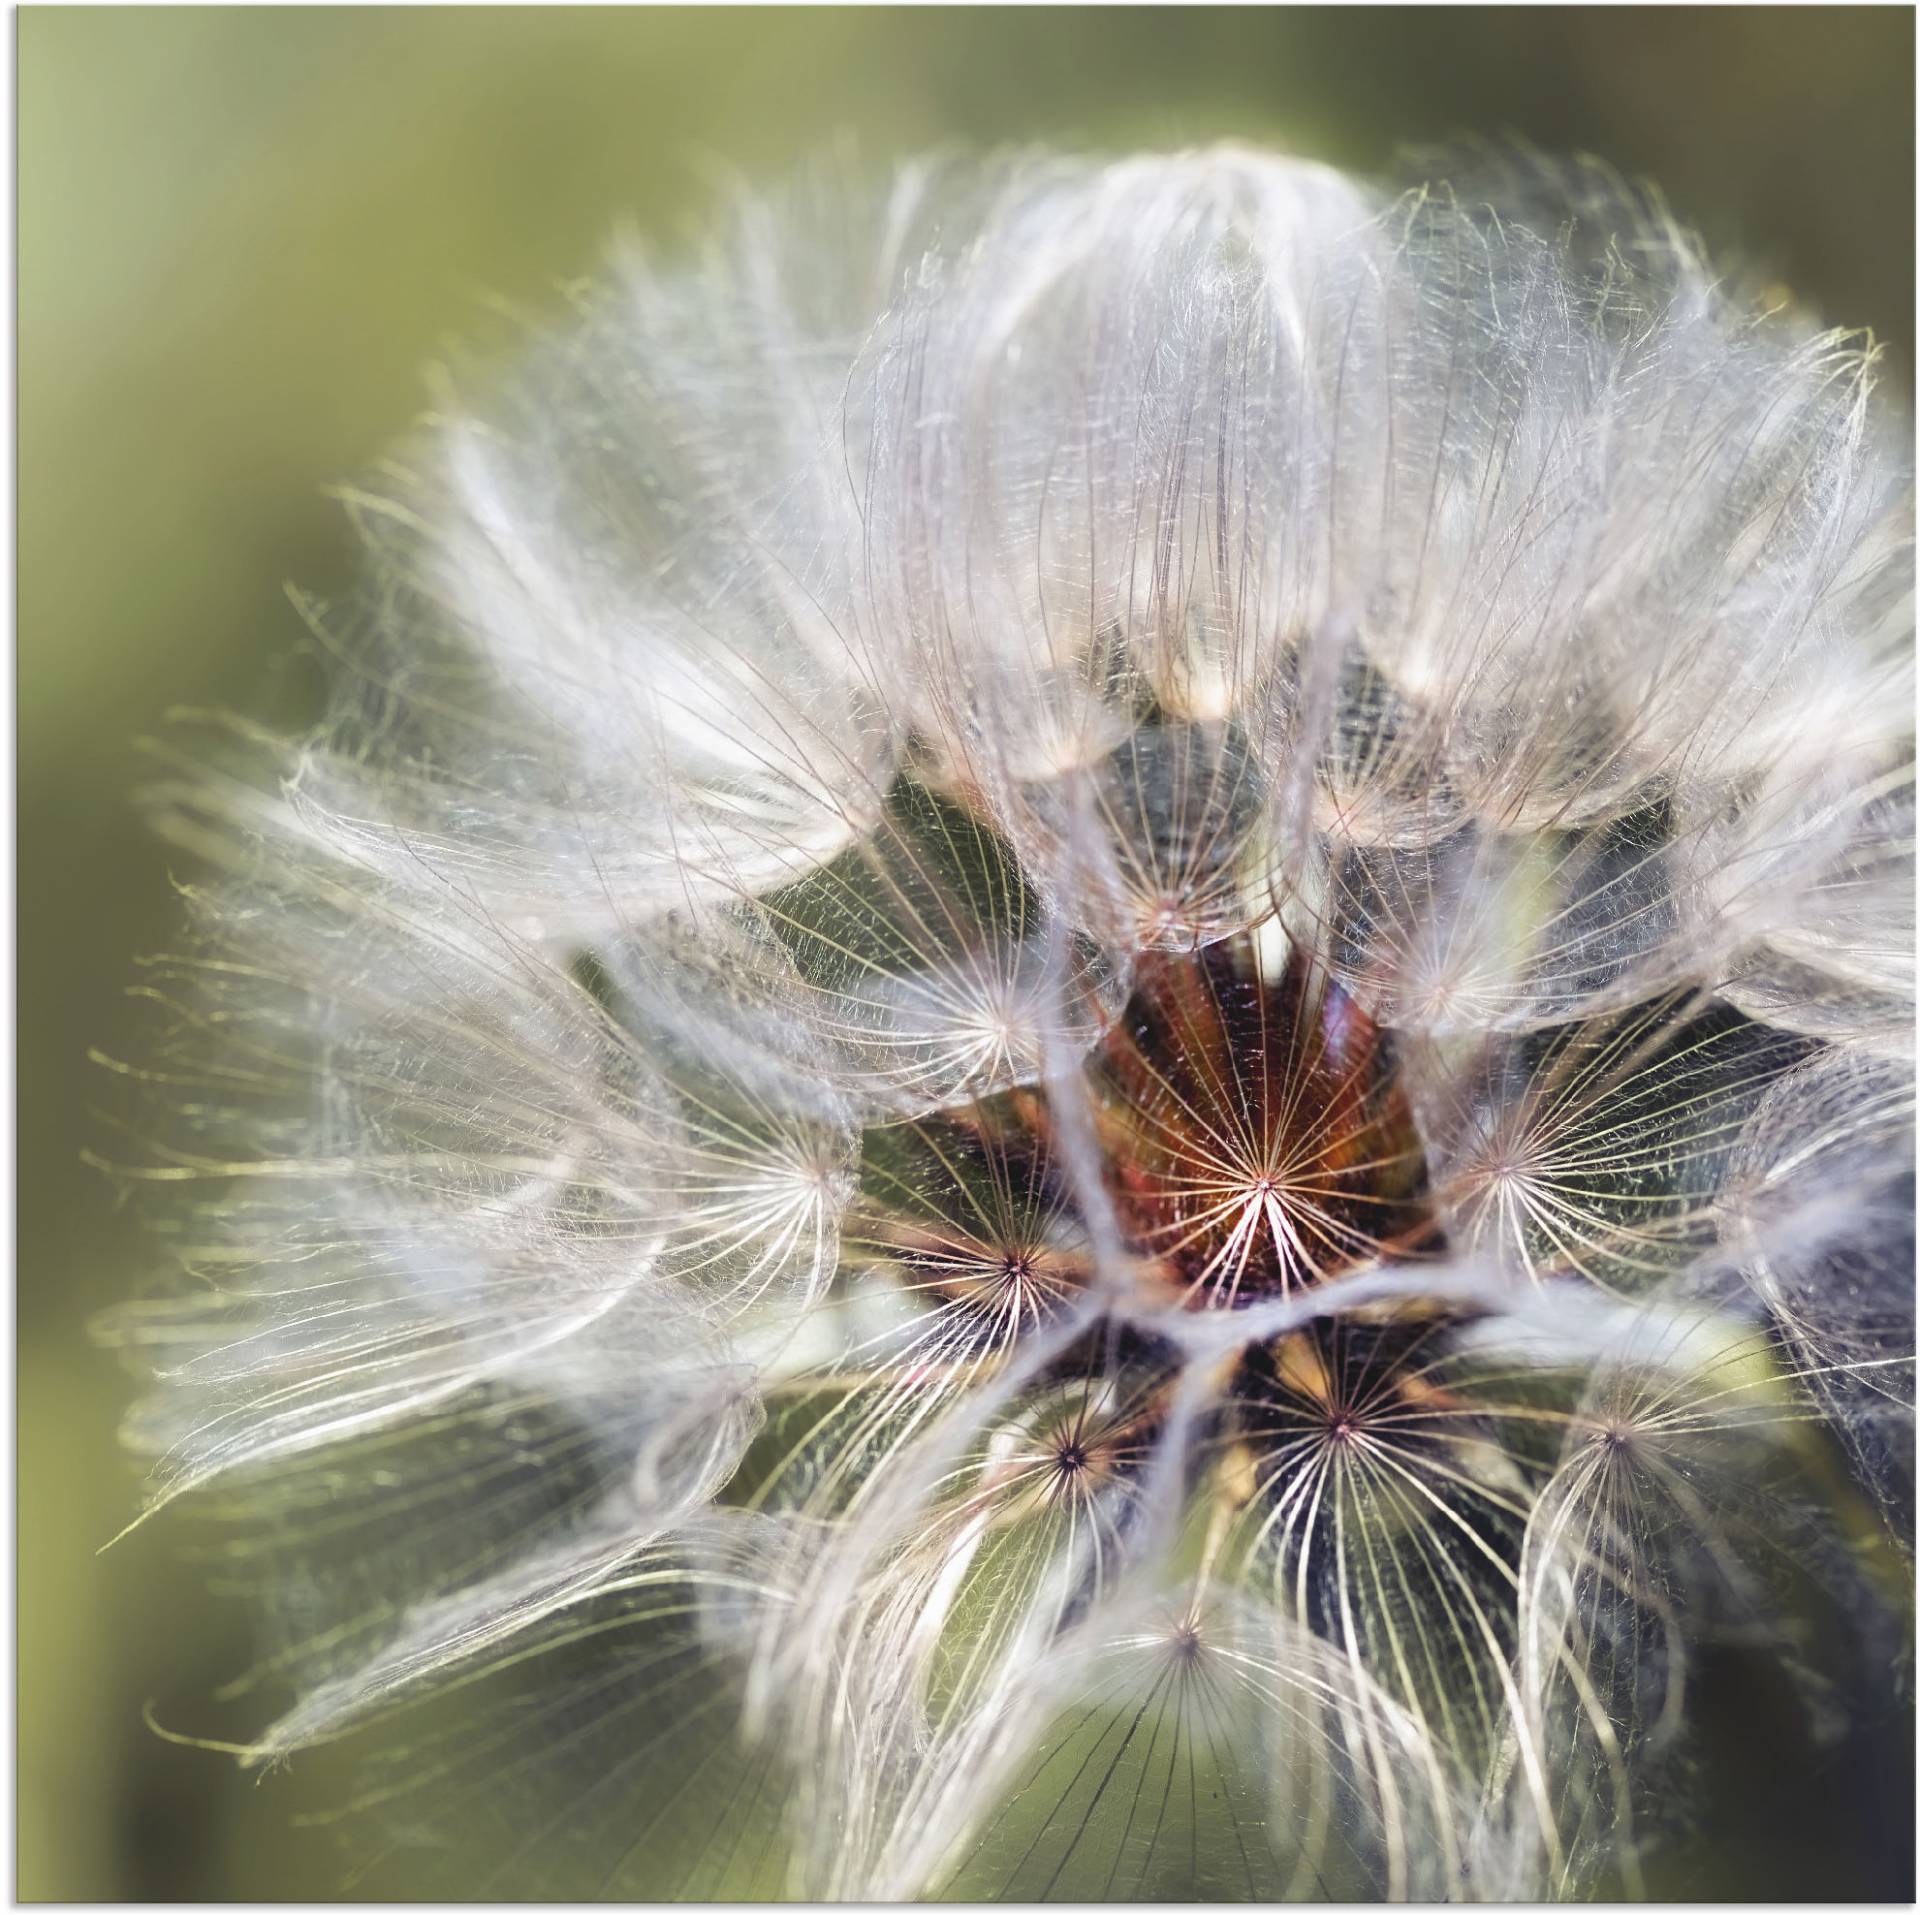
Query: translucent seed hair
{"points": [[1081, 1064]]}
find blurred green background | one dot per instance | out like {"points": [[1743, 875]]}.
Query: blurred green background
{"points": [[241, 235]]}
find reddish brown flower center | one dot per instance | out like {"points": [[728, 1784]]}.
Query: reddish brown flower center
{"points": [[1256, 1134]]}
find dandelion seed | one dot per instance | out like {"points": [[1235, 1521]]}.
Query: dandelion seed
{"points": [[1082, 1064]]}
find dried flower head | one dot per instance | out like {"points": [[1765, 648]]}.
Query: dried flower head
{"points": [[1082, 1066]]}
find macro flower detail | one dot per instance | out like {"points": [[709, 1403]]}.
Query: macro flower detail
{"points": [[1081, 1066]]}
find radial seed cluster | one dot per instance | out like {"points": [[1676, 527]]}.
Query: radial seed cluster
{"points": [[1082, 1064]]}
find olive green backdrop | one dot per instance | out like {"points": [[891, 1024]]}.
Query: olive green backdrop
{"points": [[241, 235]]}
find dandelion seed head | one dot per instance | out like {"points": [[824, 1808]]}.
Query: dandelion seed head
{"points": [[1082, 1063]]}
